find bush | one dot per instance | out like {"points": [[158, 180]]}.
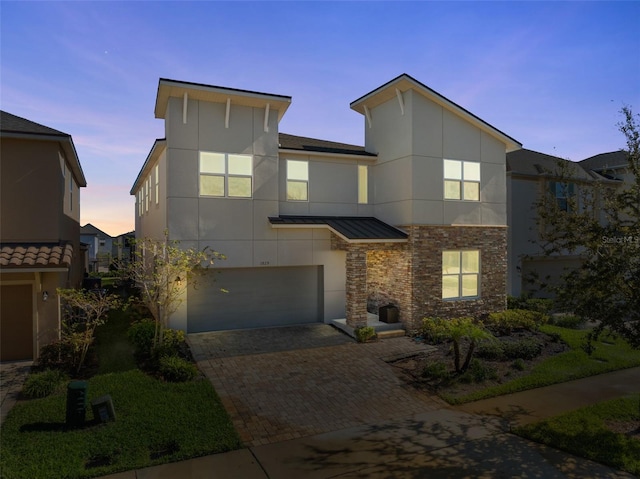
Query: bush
{"points": [[365, 334], [539, 305], [141, 334], [436, 370], [58, 355], [518, 365], [526, 348], [505, 322], [435, 330], [42, 384], [570, 321], [478, 372], [176, 370]]}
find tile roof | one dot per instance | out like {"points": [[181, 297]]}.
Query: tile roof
{"points": [[293, 142], [15, 124], [350, 227], [36, 256]]}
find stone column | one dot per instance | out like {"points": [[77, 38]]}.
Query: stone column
{"points": [[356, 307]]}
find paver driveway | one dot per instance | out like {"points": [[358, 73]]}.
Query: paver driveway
{"points": [[285, 383]]}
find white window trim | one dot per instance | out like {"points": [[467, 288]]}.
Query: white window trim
{"points": [[306, 200], [462, 181], [157, 184], [226, 175], [461, 274]]}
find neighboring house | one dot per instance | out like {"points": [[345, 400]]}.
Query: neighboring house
{"points": [[530, 175], [100, 247], [122, 247], [40, 177], [316, 231], [614, 165]]}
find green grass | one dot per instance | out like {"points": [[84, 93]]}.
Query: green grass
{"points": [[610, 354], [156, 422], [583, 433]]}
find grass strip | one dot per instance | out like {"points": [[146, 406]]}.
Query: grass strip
{"points": [[156, 422], [610, 354], [584, 433]]}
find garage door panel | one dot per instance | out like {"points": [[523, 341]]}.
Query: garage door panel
{"points": [[256, 297]]}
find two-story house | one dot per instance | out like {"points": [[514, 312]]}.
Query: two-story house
{"points": [[530, 176], [317, 231], [40, 181], [100, 247]]}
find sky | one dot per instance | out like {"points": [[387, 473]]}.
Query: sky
{"points": [[552, 75]]}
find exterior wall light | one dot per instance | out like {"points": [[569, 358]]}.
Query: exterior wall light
{"points": [[45, 295]]}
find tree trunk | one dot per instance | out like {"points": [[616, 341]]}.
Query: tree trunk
{"points": [[456, 355], [467, 361]]}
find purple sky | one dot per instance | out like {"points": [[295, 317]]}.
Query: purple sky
{"points": [[553, 75]]}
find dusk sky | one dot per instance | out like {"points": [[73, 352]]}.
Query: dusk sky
{"points": [[552, 75]]}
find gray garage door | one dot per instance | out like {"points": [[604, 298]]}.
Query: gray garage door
{"points": [[256, 298]]}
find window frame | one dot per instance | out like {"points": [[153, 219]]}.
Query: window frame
{"points": [[461, 274], [290, 180], [225, 175], [568, 188], [363, 184], [157, 184], [462, 180]]}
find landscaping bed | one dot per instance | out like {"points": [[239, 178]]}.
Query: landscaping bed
{"points": [[560, 355]]}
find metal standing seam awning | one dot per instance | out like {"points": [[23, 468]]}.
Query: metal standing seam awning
{"points": [[353, 229]]}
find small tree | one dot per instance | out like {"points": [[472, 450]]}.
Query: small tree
{"points": [[161, 268], [602, 225], [83, 312]]}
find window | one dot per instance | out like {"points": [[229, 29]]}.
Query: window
{"points": [[460, 274], [363, 184], [297, 180], [146, 195], [157, 170], [225, 174], [563, 192], [71, 192], [461, 180]]}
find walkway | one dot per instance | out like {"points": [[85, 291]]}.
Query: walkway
{"points": [[12, 377]]}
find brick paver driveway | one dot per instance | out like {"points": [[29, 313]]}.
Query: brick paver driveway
{"points": [[284, 383]]}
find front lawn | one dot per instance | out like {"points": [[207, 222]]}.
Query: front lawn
{"points": [[608, 432], [156, 421]]}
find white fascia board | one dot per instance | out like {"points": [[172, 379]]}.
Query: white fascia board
{"points": [[321, 154], [156, 150], [337, 233]]}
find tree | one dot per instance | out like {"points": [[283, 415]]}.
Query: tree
{"points": [[602, 225], [161, 269], [83, 312]]}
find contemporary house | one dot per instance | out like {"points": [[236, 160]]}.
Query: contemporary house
{"points": [[317, 231], [530, 176], [100, 247], [41, 177]]}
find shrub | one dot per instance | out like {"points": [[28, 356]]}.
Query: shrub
{"points": [[518, 365], [570, 321], [365, 334], [434, 330], [491, 351], [527, 348], [539, 305], [141, 334], [505, 322], [42, 384], [478, 372], [58, 355], [435, 370], [175, 369]]}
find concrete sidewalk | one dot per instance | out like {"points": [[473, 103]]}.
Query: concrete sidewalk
{"points": [[436, 444]]}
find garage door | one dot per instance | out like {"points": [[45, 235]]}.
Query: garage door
{"points": [[16, 322], [256, 298]]}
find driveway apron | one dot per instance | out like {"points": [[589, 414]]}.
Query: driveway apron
{"points": [[284, 383]]}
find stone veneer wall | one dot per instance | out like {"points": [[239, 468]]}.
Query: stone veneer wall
{"points": [[426, 246], [410, 274]]}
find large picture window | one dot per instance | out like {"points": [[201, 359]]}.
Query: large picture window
{"points": [[460, 274], [225, 174], [297, 180], [461, 180]]}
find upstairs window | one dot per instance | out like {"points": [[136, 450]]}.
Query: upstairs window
{"points": [[461, 180], [563, 192], [363, 184], [71, 192], [297, 180], [157, 188], [460, 274], [225, 174]]}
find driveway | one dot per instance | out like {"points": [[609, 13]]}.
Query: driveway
{"points": [[285, 383]]}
